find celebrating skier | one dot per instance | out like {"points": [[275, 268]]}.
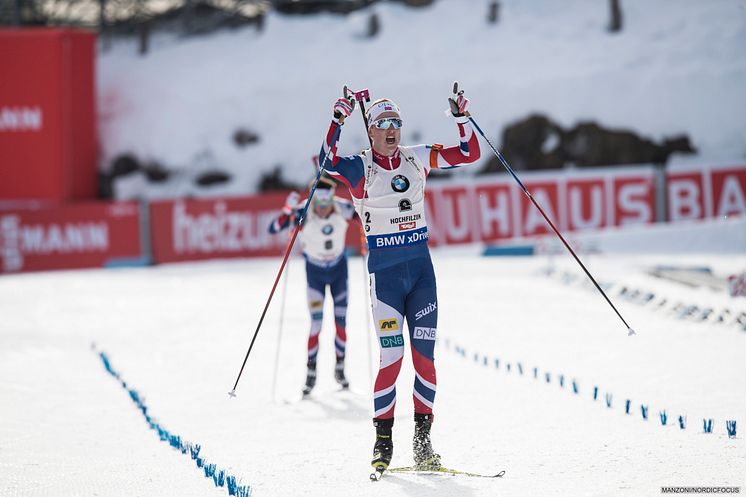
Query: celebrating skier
{"points": [[322, 239], [387, 185]]}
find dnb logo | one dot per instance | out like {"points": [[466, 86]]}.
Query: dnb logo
{"points": [[394, 341], [400, 183], [388, 324], [421, 333], [327, 229]]}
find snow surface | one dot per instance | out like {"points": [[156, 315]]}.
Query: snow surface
{"points": [[178, 333], [677, 67]]}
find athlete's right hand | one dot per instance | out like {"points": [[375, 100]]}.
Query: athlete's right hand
{"points": [[290, 203], [342, 109]]}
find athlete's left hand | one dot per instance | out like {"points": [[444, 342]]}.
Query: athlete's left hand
{"points": [[458, 102]]}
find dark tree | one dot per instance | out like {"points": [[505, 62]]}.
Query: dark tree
{"points": [[493, 14], [374, 25], [615, 24]]}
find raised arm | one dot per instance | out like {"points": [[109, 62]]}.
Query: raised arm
{"points": [[437, 156], [290, 212], [349, 170]]}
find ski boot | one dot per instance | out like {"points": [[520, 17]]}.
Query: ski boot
{"points": [[383, 449], [424, 456], [310, 378], [339, 373]]}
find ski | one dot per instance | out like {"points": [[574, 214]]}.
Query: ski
{"points": [[442, 471]]}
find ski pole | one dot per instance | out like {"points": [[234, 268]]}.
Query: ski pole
{"points": [[546, 218], [361, 97], [279, 330], [368, 348], [302, 218]]}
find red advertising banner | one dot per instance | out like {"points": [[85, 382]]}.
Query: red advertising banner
{"points": [[634, 200], [79, 236], [585, 204], [494, 207], [48, 147], [728, 191], [459, 211], [705, 192], [497, 211], [184, 230], [686, 196]]}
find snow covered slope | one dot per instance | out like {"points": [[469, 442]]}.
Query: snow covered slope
{"points": [[177, 334], [678, 66]]}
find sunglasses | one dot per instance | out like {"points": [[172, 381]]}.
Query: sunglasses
{"points": [[323, 198], [387, 123]]}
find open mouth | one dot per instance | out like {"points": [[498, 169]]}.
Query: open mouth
{"points": [[390, 140]]}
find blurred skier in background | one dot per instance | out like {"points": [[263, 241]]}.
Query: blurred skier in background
{"points": [[322, 238], [387, 185]]}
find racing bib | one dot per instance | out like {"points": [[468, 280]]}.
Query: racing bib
{"points": [[393, 213]]}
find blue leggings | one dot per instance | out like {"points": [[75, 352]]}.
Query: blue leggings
{"points": [[406, 290], [318, 278]]}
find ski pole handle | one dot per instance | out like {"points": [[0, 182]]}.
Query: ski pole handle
{"points": [[361, 96]]}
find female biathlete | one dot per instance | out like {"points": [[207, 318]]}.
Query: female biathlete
{"points": [[387, 185]]}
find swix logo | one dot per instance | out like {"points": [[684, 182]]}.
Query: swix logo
{"points": [[424, 312], [394, 341], [17, 240], [219, 230], [423, 333], [388, 324], [21, 118], [407, 226]]}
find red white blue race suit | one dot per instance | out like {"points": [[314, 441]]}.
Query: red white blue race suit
{"points": [[389, 196], [323, 242]]}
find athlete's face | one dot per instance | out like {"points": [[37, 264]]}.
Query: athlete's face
{"points": [[385, 141], [323, 202]]}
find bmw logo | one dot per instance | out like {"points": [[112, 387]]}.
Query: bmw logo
{"points": [[327, 229], [400, 183]]}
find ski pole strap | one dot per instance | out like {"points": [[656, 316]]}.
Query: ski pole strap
{"points": [[435, 149]]}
